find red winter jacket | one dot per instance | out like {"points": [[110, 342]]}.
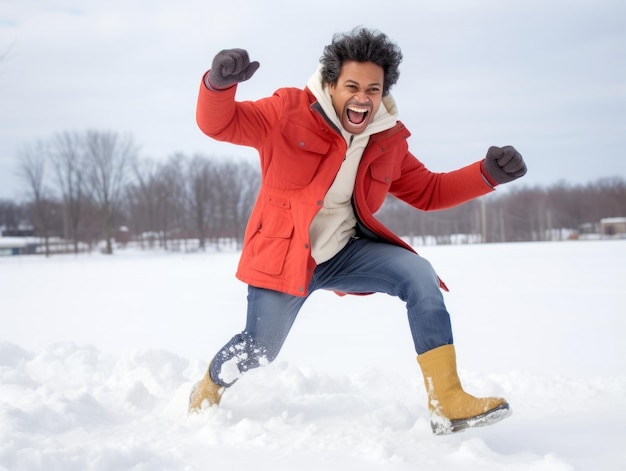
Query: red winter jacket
{"points": [[300, 155]]}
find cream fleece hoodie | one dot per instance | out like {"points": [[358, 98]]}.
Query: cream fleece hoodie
{"points": [[335, 223]]}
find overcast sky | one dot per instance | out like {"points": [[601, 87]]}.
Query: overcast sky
{"points": [[547, 76]]}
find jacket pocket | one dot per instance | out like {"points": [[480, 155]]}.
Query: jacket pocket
{"points": [[271, 244], [384, 173], [301, 154], [381, 176]]}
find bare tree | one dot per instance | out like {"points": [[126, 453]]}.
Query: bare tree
{"points": [[171, 200], [143, 199], [32, 165], [609, 195], [109, 157], [234, 186], [67, 153], [199, 195]]}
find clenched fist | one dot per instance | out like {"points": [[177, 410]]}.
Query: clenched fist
{"points": [[229, 67], [503, 165]]}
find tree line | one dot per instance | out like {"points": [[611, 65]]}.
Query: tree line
{"points": [[90, 189], [517, 214]]}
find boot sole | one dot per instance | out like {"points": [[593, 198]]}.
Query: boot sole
{"points": [[443, 426]]}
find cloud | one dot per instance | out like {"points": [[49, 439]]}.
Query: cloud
{"points": [[544, 76]]}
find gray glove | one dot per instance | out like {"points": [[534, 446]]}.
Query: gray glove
{"points": [[229, 67], [503, 165]]}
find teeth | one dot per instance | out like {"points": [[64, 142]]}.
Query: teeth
{"points": [[357, 109]]}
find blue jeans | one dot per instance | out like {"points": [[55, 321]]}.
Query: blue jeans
{"points": [[363, 266]]}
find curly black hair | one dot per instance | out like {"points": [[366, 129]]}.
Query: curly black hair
{"points": [[362, 45]]}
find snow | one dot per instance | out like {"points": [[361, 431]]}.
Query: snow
{"points": [[98, 355]]}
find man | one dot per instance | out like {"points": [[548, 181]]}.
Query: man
{"points": [[329, 156]]}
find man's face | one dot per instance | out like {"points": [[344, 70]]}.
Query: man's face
{"points": [[357, 95]]}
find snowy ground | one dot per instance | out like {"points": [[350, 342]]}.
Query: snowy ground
{"points": [[98, 354]]}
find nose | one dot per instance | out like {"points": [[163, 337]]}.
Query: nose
{"points": [[362, 97]]}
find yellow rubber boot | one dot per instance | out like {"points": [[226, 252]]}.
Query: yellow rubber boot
{"points": [[451, 408], [205, 394]]}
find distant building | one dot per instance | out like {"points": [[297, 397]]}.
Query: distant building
{"points": [[18, 245], [613, 227]]}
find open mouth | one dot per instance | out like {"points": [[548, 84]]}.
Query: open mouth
{"points": [[357, 115]]}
